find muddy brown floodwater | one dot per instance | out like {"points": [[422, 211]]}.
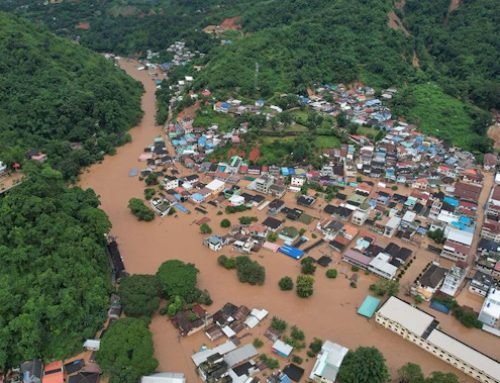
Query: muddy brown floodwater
{"points": [[329, 314]]}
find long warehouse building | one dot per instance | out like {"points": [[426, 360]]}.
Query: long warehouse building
{"points": [[422, 329]]}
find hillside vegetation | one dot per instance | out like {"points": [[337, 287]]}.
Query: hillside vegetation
{"points": [[54, 274], [55, 93]]}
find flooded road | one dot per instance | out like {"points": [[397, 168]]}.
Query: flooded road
{"points": [[329, 314]]}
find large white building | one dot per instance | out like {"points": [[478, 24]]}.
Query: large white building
{"points": [[490, 312], [421, 328], [328, 363]]}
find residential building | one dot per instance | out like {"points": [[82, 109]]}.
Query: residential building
{"points": [[215, 186], [31, 371], [359, 217], [214, 243], [493, 206], [170, 182], [3, 168], [392, 226], [275, 206], [455, 251], [429, 282], [328, 362], [263, 184], [490, 161], [422, 329], [490, 312], [214, 370], [481, 283], [381, 266], [453, 280], [297, 181], [164, 377]]}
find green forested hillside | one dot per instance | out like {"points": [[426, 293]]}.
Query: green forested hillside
{"points": [[55, 93], [459, 48], [54, 273]]}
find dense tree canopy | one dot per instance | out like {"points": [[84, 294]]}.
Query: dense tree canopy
{"points": [[54, 274], [55, 93], [364, 365], [126, 351], [139, 295], [177, 278]]}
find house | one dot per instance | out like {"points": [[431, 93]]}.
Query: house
{"points": [[277, 190], [305, 200], [329, 227], [53, 373], [275, 206], [272, 224], [263, 184], [215, 186], [164, 377], [3, 168], [359, 217], [289, 234], [481, 283], [456, 251], [429, 282], [84, 377], [214, 369], [467, 192], [254, 170], [381, 266], [453, 279], [282, 349], [240, 355], [392, 226], [236, 200], [170, 182], [214, 243], [31, 371], [328, 362], [490, 161], [297, 181], [490, 311]]}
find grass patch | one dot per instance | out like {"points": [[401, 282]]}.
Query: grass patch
{"points": [[325, 142], [207, 117]]}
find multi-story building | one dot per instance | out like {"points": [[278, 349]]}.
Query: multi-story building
{"points": [[422, 329], [453, 280], [481, 283], [490, 312], [262, 184]]}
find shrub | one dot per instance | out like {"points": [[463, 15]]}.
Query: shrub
{"points": [[315, 346], [394, 188], [140, 210], [331, 273], [308, 266], [245, 220], [467, 317], [257, 343], [272, 237], [205, 298], [151, 179], [219, 213], [149, 193], [353, 285], [235, 209], [205, 229], [225, 223], [354, 268], [249, 271], [304, 286], [228, 263], [297, 333], [419, 299], [297, 359], [286, 284], [314, 236], [278, 324]]}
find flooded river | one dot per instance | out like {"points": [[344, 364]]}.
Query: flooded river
{"points": [[329, 314]]}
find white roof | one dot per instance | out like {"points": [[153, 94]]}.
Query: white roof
{"points": [[251, 321], [381, 262], [409, 216], [491, 304], [259, 313], [228, 331], [92, 344], [329, 360], [465, 353], [236, 198], [393, 222], [164, 377], [282, 347], [460, 236], [409, 317], [199, 357], [240, 355], [215, 185]]}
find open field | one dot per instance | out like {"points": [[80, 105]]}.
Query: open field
{"points": [[329, 314]]}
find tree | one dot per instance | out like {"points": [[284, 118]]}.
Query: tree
{"points": [[315, 345], [126, 351], [304, 286], [365, 365], [278, 324], [410, 373], [442, 377], [331, 273], [140, 210], [308, 266], [225, 223], [249, 271], [297, 333], [178, 278], [286, 284], [139, 295], [228, 263], [245, 220], [205, 229], [272, 236], [151, 179]]}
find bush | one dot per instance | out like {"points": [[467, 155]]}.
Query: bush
{"points": [[394, 188], [235, 209], [205, 298], [308, 266], [249, 271], [297, 333], [304, 286], [228, 263], [354, 268], [353, 285], [225, 223], [286, 284], [278, 324], [205, 229], [257, 343], [467, 317], [315, 346], [272, 237], [331, 273], [149, 193], [140, 210], [245, 220], [297, 359], [419, 299], [151, 179]]}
